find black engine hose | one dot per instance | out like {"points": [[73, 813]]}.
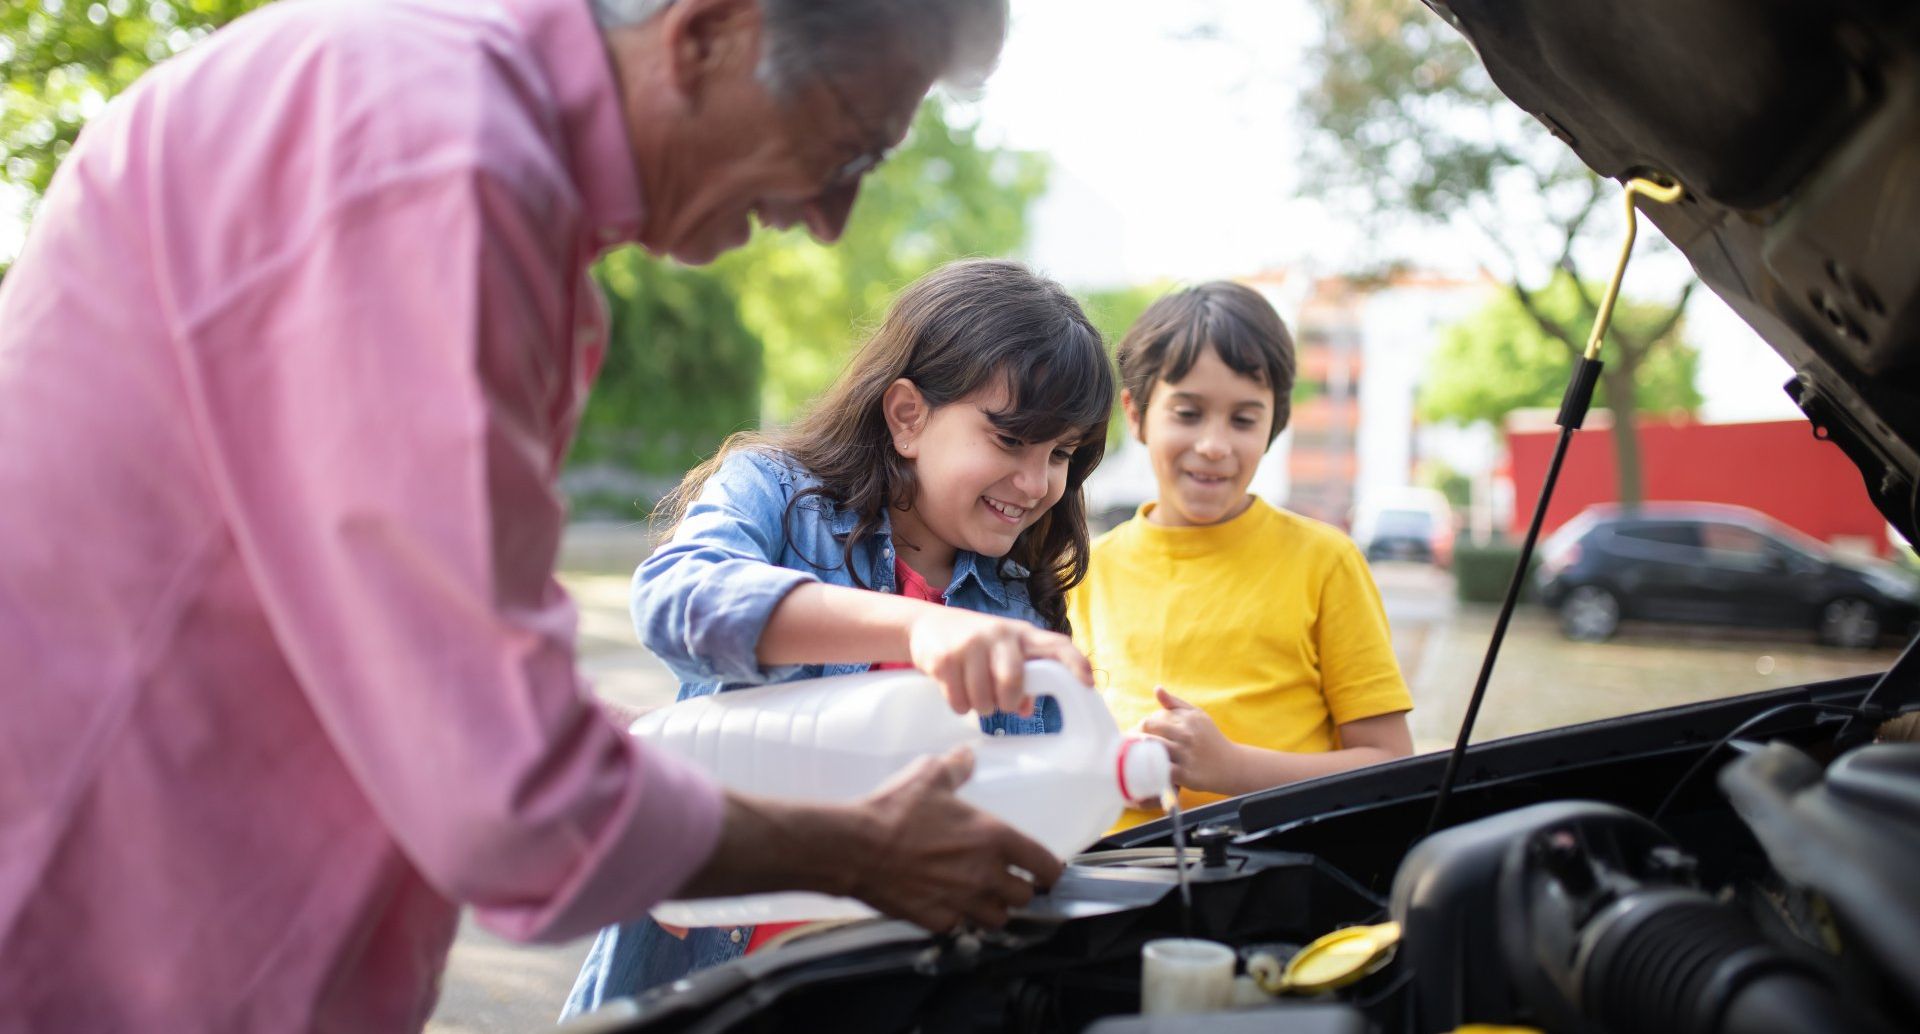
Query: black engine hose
{"points": [[1678, 961], [1788, 1003]]}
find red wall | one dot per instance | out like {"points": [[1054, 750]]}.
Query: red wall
{"points": [[1777, 467]]}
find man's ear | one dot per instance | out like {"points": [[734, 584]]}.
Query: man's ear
{"points": [[1134, 416], [906, 411], [708, 40]]}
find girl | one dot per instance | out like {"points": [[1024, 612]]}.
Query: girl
{"points": [[1269, 623], [926, 513]]}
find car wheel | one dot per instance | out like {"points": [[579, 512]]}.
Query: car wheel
{"points": [[1590, 614], [1850, 623]]}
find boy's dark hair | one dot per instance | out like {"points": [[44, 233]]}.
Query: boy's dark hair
{"points": [[1234, 321], [960, 329]]}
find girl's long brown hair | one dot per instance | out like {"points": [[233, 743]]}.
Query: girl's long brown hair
{"points": [[962, 328]]}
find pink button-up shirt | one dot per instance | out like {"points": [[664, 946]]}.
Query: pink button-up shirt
{"points": [[287, 369]]}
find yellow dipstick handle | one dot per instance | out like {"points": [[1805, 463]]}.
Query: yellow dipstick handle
{"points": [[1664, 193]]}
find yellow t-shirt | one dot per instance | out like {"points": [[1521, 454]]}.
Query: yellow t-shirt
{"points": [[1269, 621]]}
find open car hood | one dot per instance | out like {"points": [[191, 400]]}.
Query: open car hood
{"points": [[1795, 127]]}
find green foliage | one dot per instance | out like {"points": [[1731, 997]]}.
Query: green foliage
{"points": [[1499, 360], [1404, 105], [1113, 310], [1408, 125], [1456, 486], [700, 353], [1481, 574], [682, 370], [61, 59], [1406, 122], [942, 196]]}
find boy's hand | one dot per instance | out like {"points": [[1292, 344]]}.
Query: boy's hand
{"points": [[978, 659], [1203, 758]]}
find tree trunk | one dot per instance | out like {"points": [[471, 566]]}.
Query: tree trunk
{"points": [[1618, 377]]}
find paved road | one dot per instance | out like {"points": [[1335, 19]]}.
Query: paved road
{"points": [[1542, 681]]}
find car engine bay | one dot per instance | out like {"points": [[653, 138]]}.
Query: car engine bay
{"points": [[1770, 895]]}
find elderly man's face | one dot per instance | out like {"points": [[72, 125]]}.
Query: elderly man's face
{"points": [[734, 151]]}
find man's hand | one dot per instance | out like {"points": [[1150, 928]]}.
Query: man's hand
{"points": [[1203, 758], [935, 860], [913, 850], [978, 659]]}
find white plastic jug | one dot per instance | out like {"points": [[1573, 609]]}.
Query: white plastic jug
{"points": [[838, 739]]}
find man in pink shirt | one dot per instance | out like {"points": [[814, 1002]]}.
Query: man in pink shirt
{"points": [[287, 369]]}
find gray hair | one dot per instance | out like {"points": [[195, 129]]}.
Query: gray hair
{"points": [[955, 42]]}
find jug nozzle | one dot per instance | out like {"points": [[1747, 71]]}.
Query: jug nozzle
{"points": [[1144, 769]]}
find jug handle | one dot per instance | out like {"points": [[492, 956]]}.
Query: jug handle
{"points": [[1083, 711]]}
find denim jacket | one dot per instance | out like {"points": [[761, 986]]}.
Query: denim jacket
{"points": [[700, 603]]}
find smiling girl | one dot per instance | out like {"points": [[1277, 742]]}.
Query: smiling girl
{"points": [[926, 513], [1267, 623]]}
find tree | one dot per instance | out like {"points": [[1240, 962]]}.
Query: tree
{"points": [[1113, 310], [1499, 360], [1409, 125], [699, 353], [60, 60], [941, 196], [682, 370]]}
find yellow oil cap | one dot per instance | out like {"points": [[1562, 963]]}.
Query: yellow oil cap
{"points": [[1340, 958]]}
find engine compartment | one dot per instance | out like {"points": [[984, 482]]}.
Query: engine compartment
{"points": [[1771, 895]]}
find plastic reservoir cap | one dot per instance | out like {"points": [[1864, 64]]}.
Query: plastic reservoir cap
{"points": [[1340, 958], [1145, 770]]}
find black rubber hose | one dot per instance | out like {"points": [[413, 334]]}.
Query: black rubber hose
{"points": [[1679, 962], [1793, 1003]]}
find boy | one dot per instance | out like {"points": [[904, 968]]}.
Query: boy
{"points": [[1267, 622]]}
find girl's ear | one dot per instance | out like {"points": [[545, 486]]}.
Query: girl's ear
{"points": [[906, 412], [1133, 416]]}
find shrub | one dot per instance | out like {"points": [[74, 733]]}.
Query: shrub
{"points": [[1481, 573]]}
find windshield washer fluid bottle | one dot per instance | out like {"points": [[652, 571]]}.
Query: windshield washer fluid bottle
{"points": [[838, 739]]}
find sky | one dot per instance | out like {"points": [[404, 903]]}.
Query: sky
{"points": [[1176, 151]]}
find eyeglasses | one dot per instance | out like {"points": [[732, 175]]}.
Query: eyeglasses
{"points": [[849, 172]]}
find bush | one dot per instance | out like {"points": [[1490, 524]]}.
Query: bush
{"points": [[1481, 573]]}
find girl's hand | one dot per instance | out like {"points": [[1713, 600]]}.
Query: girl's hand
{"points": [[1203, 758], [978, 659]]}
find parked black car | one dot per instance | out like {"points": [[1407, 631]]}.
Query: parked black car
{"points": [[1710, 563]]}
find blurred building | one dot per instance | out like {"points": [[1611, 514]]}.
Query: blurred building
{"points": [[1362, 344]]}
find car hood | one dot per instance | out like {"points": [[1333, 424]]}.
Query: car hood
{"points": [[1795, 128]]}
